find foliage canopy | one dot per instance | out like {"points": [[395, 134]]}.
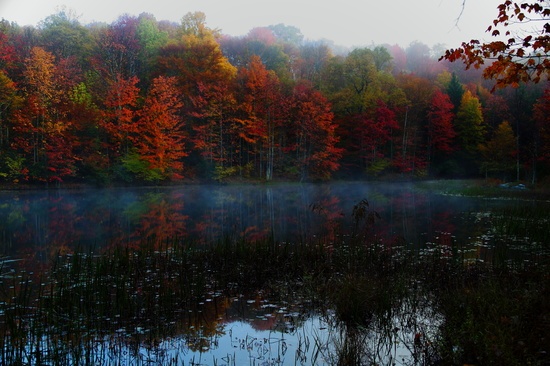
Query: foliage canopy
{"points": [[516, 55]]}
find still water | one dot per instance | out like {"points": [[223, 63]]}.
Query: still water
{"points": [[36, 226], [42, 222]]}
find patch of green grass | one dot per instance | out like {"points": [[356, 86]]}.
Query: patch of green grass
{"points": [[488, 189]]}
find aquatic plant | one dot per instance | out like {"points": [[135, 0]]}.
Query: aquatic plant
{"points": [[379, 302]]}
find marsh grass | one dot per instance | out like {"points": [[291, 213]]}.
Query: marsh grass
{"points": [[488, 188], [385, 303], [528, 223], [496, 319]]}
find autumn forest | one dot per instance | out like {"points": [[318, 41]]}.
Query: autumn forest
{"points": [[147, 101]]}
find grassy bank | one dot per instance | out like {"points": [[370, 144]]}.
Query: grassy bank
{"points": [[489, 189]]}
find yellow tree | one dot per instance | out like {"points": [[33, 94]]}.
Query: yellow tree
{"points": [[11, 165], [9, 100], [42, 133], [205, 79], [499, 153], [195, 58], [469, 123]]}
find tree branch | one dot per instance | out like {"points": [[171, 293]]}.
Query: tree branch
{"points": [[461, 12]]}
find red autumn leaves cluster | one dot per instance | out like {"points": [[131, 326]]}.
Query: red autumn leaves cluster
{"points": [[518, 54], [146, 132], [143, 100]]}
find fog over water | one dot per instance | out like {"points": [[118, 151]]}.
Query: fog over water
{"points": [[43, 222], [69, 295]]}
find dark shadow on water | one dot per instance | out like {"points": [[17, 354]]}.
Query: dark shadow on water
{"points": [[211, 275]]}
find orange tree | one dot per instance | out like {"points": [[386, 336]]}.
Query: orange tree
{"points": [[516, 55], [161, 143]]}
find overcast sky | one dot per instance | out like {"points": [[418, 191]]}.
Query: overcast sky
{"points": [[346, 22]]}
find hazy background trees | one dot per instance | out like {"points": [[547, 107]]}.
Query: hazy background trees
{"points": [[148, 100]]}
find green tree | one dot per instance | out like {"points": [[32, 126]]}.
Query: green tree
{"points": [[382, 58], [194, 23], [499, 153], [314, 57], [64, 36], [412, 145], [84, 115], [151, 40], [346, 80], [287, 33], [263, 43], [359, 72], [469, 123], [455, 91], [443, 79]]}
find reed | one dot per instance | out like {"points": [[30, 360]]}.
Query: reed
{"points": [[123, 305], [526, 224]]}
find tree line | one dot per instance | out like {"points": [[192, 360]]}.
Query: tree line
{"points": [[141, 100]]}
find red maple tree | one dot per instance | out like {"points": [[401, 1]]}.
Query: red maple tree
{"points": [[161, 140], [440, 127]]}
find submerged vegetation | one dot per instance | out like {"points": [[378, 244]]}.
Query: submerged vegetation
{"points": [[168, 301]]}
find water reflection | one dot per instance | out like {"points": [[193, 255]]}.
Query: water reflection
{"points": [[241, 332], [317, 342], [42, 223], [111, 294]]}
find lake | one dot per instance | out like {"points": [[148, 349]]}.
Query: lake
{"points": [[213, 325], [48, 221]]}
